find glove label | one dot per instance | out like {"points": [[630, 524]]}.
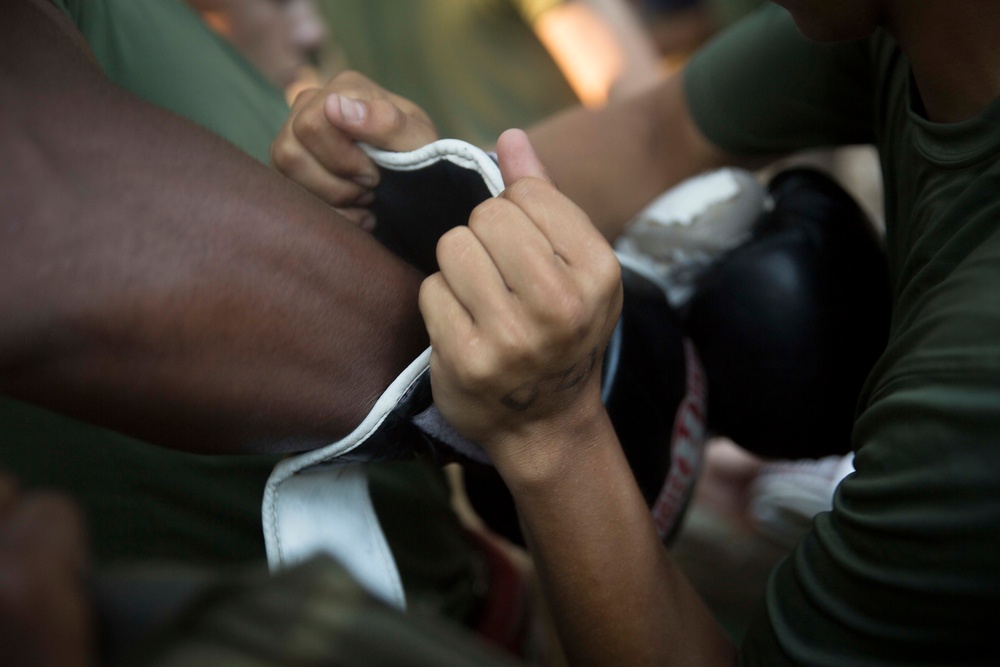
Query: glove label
{"points": [[686, 447]]}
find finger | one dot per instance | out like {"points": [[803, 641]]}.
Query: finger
{"points": [[559, 220], [48, 526], [303, 97], [379, 122], [286, 147], [445, 318], [472, 276], [568, 229], [518, 159], [573, 238], [522, 254], [331, 147], [303, 167], [361, 217]]}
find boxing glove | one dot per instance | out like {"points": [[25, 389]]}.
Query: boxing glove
{"points": [[655, 392], [790, 323]]}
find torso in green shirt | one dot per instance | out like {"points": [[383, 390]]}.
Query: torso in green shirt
{"points": [[904, 570]]}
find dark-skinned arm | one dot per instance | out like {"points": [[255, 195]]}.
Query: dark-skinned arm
{"points": [[155, 280]]}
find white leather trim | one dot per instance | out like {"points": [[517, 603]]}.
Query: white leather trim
{"points": [[455, 151], [311, 504]]}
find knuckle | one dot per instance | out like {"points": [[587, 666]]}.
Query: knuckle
{"points": [[527, 189], [429, 289], [339, 192], [608, 273], [489, 212], [390, 124], [303, 97], [395, 119], [572, 315], [350, 77], [474, 372], [452, 243], [310, 125], [514, 342], [286, 156]]}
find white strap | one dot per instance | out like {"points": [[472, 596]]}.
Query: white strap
{"points": [[455, 151], [314, 504]]}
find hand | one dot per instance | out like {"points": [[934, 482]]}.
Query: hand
{"points": [[44, 619], [316, 147], [520, 313]]}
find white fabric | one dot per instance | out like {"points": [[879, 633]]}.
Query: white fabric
{"points": [[314, 504], [786, 495], [455, 151], [684, 230]]}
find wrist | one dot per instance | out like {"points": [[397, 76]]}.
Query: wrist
{"points": [[540, 454]]}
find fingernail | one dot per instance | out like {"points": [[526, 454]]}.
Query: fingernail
{"points": [[367, 222], [366, 198], [365, 180], [353, 111]]}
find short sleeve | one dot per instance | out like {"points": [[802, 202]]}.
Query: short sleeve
{"points": [[161, 51], [763, 88]]}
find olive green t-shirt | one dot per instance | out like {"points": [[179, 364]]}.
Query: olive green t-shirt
{"points": [[906, 567], [475, 66], [165, 54]]}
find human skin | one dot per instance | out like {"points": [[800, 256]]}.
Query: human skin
{"points": [[157, 281], [519, 316], [600, 46], [616, 596], [317, 146], [45, 619], [651, 134], [277, 36]]}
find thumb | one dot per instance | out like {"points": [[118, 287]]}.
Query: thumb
{"points": [[517, 158], [379, 122]]}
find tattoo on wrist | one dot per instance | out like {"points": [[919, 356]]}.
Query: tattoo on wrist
{"points": [[577, 373]]}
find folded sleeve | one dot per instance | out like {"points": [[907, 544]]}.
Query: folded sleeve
{"points": [[762, 88]]}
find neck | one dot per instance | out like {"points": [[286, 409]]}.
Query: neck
{"points": [[954, 51]]}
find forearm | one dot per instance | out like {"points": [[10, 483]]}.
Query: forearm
{"points": [[617, 598], [614, 160], [157, 281]]}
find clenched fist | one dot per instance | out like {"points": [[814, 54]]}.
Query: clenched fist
{"points": [[520, 314]]}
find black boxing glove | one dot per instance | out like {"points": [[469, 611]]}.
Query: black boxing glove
{"points": [[650, 374], [790, 323], [655, 392], [424, 193]]}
